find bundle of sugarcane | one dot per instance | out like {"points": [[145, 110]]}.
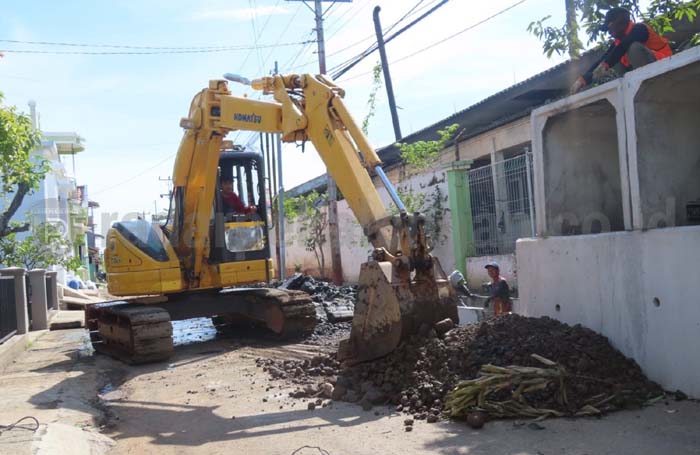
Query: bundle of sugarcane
{"points": [[473, 395]]}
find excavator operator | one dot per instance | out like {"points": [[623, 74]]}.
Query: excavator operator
{"points": [[231, 202]]}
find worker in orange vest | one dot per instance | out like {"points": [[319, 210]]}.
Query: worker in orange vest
{"points": [[635, 45]]}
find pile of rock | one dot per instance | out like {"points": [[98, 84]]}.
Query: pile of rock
{"points": [[416, 377], [333, 303]]}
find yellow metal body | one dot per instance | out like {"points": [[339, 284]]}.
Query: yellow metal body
{"points": [[319, 116], [133, 272]]}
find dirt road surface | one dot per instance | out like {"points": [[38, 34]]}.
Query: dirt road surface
{"points": [[210, 398]]}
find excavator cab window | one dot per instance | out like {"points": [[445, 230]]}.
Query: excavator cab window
{"points": [[239, 221]]}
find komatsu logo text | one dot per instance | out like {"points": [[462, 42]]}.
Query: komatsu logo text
{"points": [[248, 118]]}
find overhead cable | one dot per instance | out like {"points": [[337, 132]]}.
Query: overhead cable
{"points": [[430, 46], [153, 52], [348, 64]]}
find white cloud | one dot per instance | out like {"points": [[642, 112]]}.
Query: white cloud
{"points": [[240, 13]]}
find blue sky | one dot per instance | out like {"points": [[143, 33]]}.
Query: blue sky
{"points": [[127, 107]]}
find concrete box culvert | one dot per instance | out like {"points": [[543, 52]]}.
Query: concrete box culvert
{"points": [[663, 123], [579, 146]]}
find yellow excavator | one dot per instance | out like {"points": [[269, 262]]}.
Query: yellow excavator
{"points": [[195, 264]]}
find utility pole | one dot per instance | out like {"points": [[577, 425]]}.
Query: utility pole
{"points": [[387, 76], [332, 192], [280, 204]]}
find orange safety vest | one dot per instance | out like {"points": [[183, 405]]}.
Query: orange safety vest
{"points": [[655, 43]]}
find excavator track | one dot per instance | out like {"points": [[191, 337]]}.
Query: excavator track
{"points": [[140, 331], [131, 332], [288, 314]]}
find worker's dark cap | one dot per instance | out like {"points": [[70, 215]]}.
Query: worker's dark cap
{"points": [[493, 264], [613, 14]]}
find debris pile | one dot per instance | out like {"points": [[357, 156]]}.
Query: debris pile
{"points": [[333, 303], [418, 376]]}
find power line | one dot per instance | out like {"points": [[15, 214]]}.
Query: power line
{"points": [[134, 177], [350, 63], [430, 46], [120, 46], [256, 36], [154, 52], [404, 16], [493, 16], [284, 32], [369, 37], [344, 24]]}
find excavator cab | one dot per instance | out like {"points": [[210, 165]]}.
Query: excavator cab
{"points": [[238, 227]]}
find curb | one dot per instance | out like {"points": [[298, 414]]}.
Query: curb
{"points": [[12, 348]]}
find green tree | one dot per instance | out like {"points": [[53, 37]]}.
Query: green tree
{"points": [[421, 154], [372, 100], [660, 14], [20, 173], [411, 200], [314, 222], [43, 247]]}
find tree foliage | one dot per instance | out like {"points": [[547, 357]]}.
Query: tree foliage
{"points": [[43, 247], [372, 100], [421, 154], [314, 221], [20, 173], [659, 14]]}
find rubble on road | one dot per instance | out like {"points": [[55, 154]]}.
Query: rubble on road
{"points": [[418, 375], [333, 303]]}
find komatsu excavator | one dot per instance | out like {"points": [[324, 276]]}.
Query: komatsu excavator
{"points": [[195, 264]]}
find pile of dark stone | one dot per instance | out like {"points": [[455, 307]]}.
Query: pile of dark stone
{"points": [[333, 303], [416, 377]]}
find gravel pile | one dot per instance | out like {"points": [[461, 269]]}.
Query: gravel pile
{"points": [[417, 375], [333, 303]]}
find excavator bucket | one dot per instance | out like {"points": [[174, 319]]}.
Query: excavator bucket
{"points": [[392, 306]]}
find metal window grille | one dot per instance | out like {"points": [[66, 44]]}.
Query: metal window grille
{"points": [[8, 310], [501, 196]]}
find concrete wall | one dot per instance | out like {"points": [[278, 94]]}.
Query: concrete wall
{"points": [[663, 108], [640, 289], [477, 275], [581, 171], [355, 249], [580, 166]]}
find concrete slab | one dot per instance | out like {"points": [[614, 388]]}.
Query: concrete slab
{"points": [[638, 288], [59, 439], [579, 143], [66, 319], [15, 346], [662, 107]]}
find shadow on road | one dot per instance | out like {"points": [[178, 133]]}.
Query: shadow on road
{"points": [[179, 423]]}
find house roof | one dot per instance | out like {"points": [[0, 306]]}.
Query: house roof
{"points": [[501, 108]]}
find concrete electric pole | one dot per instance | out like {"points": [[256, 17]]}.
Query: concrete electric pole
{"points": [[334, 234]]}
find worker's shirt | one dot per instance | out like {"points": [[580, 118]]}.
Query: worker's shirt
{"points": [[499, 290], [635, 33], [232, 203]]}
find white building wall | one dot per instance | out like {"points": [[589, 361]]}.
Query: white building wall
{"points": [[355, 249], [640, 289]]}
